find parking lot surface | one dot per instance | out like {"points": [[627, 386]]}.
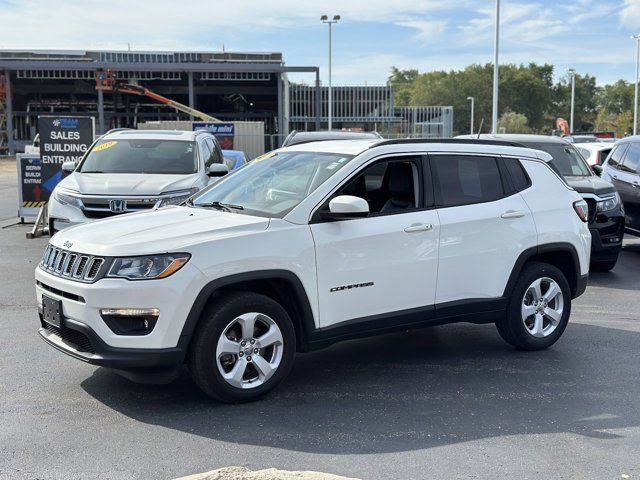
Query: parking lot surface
{"points": [[447, 402]]}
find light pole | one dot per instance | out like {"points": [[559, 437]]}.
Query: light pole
{"points": [[635, 96], [572, 72], [325, 19], [494, 123], [471, 99]]}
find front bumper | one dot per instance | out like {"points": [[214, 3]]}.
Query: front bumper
{"points": [[63, 216], [140, 364], [607, 231], [82, 302]]}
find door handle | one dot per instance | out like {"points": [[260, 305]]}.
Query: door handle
{"points": [[512, 214], [419, 227], [615, 177], [636, 184]]}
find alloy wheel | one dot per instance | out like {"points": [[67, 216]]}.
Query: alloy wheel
{"points": [[542, 307], [249, 351]]}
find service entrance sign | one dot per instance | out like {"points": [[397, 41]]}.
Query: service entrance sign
{"points": [[62, 139]]}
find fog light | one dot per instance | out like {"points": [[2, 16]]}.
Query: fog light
{"points": [[130, 321]]}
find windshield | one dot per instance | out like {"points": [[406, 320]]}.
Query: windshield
{"points": [[566, 160], [141, 156], [272, 185]]}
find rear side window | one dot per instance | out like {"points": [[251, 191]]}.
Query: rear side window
{"points": [[615, 157], [516, 177], [466, 179], [632, 159]]}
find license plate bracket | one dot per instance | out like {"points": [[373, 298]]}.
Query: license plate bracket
{"points": [[52, 311]]}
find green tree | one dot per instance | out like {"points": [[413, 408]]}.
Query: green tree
{"points": [[615, 98], [512, 122], [453, 87], [402, 81], [585, 110], [620, 123]]}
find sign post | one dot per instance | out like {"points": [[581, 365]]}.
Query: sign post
{"points": [[62, 139]]}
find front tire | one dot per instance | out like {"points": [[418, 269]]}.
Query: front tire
{"points": [[539, 308], [243, 347]]}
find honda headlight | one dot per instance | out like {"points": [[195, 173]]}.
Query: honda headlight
{"points": [[176, 198], [66, 197], [148, 267], [608, 203]]}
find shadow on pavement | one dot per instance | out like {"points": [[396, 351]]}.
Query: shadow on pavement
{"points": [[411, 390]]}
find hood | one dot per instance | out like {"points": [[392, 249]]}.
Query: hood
{"points": [[592, 184], [127, 183], [168, 229]]}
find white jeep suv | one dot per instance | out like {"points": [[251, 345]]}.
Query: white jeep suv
{"points": [[316, 243], [129, 170]]}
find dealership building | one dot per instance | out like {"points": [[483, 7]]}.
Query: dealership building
{"points": [[230, 86]]}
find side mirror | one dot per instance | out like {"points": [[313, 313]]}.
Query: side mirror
{"points": [[345, 207], [597, 169], [68, 167], [217, 170]]}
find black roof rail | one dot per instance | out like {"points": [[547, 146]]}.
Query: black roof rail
{"points": [[462, 141]]}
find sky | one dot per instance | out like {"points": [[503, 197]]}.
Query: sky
{"points": [[591, 36]]}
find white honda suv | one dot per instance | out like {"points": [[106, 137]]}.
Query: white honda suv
{"points": [[316, 243], [129, 170]]}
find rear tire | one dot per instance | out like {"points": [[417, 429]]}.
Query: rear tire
{"points": [[243, 347], [539, 308]]}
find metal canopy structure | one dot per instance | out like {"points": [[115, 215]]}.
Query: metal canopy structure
{"points": [[66, 76]]}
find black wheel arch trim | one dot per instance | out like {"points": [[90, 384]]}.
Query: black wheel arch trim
{"points": [[529, 253], [301, 297]]}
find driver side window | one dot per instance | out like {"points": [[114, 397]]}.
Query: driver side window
{"points": [[390, 186]]}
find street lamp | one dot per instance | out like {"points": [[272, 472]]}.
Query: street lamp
{"points": [[472, 100], [572, 72], [635, 96], [494, 123], [325, 19]]}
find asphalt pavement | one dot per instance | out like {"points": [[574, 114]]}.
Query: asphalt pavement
{"points": [[447, 402]]}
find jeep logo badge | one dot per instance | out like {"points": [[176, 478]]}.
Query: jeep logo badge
{"points": [[67, 244], [117, 206]]}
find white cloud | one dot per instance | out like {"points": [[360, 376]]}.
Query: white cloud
{"points": [[427, 29], [630, 14], [190, 24]]}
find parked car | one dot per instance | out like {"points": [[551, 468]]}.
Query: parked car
{"points": [[594, 153], [295, 137], [580, 138], [622, 168], [606, 214], [132, 170], [314, 244], [234, 158]]}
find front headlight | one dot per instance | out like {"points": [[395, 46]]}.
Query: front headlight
{"points": [[66, 197], [148, 267], [176, 198], [608, 203]]}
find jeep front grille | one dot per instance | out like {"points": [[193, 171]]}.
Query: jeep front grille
{"points": [[72, 265]]}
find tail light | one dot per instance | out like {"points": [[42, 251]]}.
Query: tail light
{"points": [[582, 209]]}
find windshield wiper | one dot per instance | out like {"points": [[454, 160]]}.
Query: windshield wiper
{"points": [[91, 171], [219, 205]]}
